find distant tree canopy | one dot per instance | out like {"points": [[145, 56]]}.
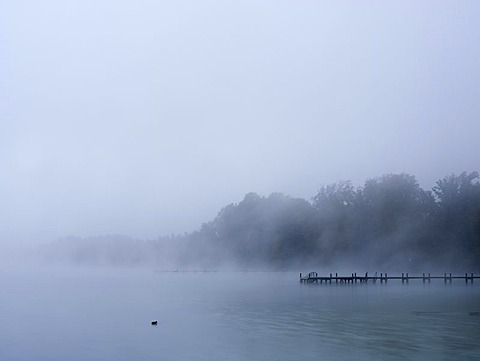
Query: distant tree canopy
{"points": [[273, 229], [389, 223], [457, 217]]}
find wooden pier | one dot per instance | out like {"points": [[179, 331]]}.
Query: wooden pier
{"points": [[313, 277]]}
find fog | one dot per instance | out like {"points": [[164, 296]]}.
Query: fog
{"points": [[388, 224], [145, 119]]}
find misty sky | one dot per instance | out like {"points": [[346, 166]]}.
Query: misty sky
{"points": [[146, 117]]}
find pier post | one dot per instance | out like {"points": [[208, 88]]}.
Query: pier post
{"points": [[423, 278], [472, 277], [355, 277], [330, 278], [444, 278], [386, 277], [336, 277], [407, 277], [466, 277], [381, 277], [429, 278], [402, 279], [450, 278]]}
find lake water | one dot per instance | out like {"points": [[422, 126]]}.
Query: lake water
{"points": [[105, 315]]}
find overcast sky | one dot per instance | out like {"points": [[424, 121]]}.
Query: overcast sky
{"points": [[146, 117]]}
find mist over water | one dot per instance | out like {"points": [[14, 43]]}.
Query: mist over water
{"points": [[158, 160], [390, 224], [105, 315]]}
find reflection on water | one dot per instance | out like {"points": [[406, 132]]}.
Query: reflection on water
{"points": [[80, 315]]}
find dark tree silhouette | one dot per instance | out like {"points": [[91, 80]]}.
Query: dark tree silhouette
{"points": [[458, 218], [390, 223]]}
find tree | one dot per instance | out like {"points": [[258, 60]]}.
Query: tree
{"points": [[397, 212], [339, 207], [458, 220]]}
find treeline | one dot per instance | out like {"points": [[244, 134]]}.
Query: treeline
{"points": [[388, 223]]}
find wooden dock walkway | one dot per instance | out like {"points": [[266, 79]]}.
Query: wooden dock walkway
{"points": [[313, 277]]}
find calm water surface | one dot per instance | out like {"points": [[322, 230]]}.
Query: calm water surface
{"points": [[105, 315]]}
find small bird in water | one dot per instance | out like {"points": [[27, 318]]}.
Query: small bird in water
{"points": [[154, 322]]}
